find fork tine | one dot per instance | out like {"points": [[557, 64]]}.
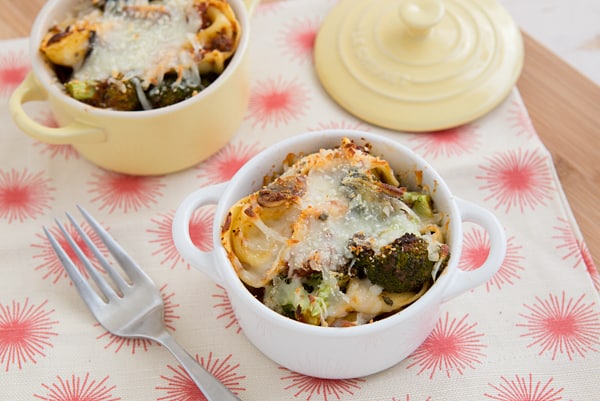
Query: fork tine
{"points": [[119, 281], [103, 285], [128, 265], [83, 286]]}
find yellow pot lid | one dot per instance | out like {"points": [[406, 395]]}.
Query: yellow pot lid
{"points": [[418, 65]]}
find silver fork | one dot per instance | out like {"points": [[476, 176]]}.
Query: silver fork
{"points": [[132, 307]]}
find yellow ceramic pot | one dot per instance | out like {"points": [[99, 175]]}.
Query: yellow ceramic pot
{"points": [[146, 142]]}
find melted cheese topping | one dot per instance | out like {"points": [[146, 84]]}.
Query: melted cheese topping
{"points": [[330, 220], [138, 45], [304, 222], [145, 40]]}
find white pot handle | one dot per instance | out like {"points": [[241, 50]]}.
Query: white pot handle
{"points": [[466, 280], [201, 260]]}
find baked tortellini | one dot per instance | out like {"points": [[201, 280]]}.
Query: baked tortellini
{"points": [[141, 54], [335, 239]]}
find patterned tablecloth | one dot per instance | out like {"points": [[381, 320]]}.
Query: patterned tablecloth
{"points": [[531, 333]]}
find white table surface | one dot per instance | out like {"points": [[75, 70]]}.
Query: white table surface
{"points": [[570, 29]]}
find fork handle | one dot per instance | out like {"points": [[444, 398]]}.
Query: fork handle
{"points": [[210, 386]]}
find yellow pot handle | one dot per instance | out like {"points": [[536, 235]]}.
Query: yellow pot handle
{"points": [[75, 132]]}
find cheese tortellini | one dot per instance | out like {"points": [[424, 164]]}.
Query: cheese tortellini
{"points": [[141, 54], [335, 240]]}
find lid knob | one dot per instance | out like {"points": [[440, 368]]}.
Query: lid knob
{"points": [[420, 16]]}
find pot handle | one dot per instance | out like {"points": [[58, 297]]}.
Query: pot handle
{"points": [[201, 260], [76, 132], [251, 6], [466, 280]]}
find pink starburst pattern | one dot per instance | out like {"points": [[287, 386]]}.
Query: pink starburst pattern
{"points": [[575, 249], [452, 142], [179, 386], [125, 192], [341, 124], [408, 398], [297, 38], [24, 195], [25, 332], [135, 344], [223, 165], [453, 345], [65, 152], [78, 388], [276, 101], [14, 66], [476, 248], [268, 7], [225, 309], [519, 120], [561, 325], [51, 266], [322, 389], [524, 389], [518, 178], [200, 230]]}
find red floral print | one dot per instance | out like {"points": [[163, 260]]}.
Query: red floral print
{"points": [[341, 124], [180, 386], [476, 248], [223, 165], [135, 344], [78, 389], [575, 249], [297, 38], [453, 345], [560, 325], [519, 120], [408, 398], [452, 142], [125, 192], [518, 178], [14, 66], [200, 232], [65, 152], [269, 7], [52, 266], [25, 333], [24, 195], [524, 389], [276, 101], [226, 310], [323, 389]]}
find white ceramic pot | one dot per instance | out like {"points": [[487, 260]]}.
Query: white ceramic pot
{"points": [[333, 352]]}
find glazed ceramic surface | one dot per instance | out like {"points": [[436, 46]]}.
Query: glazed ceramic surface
{"points": [[331, 352], [418, 65], [137, 142]]}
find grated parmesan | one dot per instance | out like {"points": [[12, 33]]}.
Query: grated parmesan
{"points": [[141, 45]]}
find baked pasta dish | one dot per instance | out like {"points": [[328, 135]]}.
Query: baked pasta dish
{"points": [[334, 239], [141, 54]]}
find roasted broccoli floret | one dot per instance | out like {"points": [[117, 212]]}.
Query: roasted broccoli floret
{"points": [[303, 299], [421, 203], [171, 91], [105, 94], [401, 266], [125, 95]]}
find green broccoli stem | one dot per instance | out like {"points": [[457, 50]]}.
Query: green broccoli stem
{"points": [[116, 95], [422, 204]]}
